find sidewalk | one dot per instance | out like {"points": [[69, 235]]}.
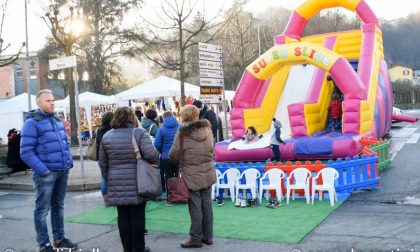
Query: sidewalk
{"points": [[76, 182]]}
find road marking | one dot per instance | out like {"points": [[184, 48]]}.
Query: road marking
{"points": [[414, 138], [404, 132], [395, 149]]}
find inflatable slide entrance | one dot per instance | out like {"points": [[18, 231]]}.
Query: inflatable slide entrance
{"points": [[294, 82]]}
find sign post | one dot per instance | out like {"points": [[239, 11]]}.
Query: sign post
{"points": [[212, 84], [67, 62]]}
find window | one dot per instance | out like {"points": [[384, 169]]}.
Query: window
{"points": [[406, 72], [18, 72]]}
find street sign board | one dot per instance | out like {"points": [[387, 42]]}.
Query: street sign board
{"points": [[210, 61], [210, 65], [211, 82], [212, 90], [61, 63], [210, 56], [209, 48], [209, 73], [211, 99]]}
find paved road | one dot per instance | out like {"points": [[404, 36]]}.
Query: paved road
{"points": [[387, 219]]}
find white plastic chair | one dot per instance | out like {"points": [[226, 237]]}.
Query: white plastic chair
{"points": [[214, 187], [329, 175], [275, 176], [231, 175], [299, 178], [251, 176]]}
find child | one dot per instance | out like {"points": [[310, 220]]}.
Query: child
{"points": [[336, 111], [251, 135], [276, 140]]}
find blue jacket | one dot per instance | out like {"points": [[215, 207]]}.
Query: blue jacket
{"points": [[165, 136], [44, 145]]}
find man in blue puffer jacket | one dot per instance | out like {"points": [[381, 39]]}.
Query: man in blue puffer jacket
{"points": [[163, 143], [45, 148]]}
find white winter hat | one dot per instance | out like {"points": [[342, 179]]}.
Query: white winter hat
{"points": [[277, 123]]}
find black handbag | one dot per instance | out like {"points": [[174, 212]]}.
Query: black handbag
{"points": [[149, 183]]}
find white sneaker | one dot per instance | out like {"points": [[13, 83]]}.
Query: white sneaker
{"points": [[243, 203], [238, 203]]}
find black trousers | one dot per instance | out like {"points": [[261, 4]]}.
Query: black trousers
{"points": [[169, 170], [276, 151], [131, 224]]}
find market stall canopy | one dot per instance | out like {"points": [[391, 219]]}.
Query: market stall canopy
{"points": [[18, 103], [161, 86], [12, 113], [87, 99]]}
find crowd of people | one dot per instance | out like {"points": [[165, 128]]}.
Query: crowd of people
{"points": [[45, 149]]}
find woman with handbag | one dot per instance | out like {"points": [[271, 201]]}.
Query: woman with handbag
{"points": [[118, 162], [198, 172]]}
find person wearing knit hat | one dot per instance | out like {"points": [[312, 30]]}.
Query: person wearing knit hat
{"points": [[206, 113], [276, 140]]}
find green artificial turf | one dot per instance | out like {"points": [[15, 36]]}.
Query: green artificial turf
{"points": [[286, 224]]}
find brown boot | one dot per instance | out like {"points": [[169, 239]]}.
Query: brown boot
{"points": [[192, 244], [207, 241]]}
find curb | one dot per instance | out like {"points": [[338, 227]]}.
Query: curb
{"points": [[79, 187]]}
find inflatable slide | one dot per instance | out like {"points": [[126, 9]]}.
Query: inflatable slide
{"points": [[295, 81]]}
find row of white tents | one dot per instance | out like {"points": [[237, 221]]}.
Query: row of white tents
{"points": [[12, 110]]}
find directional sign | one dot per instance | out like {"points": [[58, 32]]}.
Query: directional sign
{"points": [[61, 63], [209, 48], [210, 65], [211, 99], [210, 56], [211, 82], [211, 90], [208, 73]]}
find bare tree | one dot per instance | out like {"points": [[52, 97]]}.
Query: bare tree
{"points": [[169, 43], [240, 43], [6, 60]]}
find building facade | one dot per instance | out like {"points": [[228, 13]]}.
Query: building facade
{"points": [[13, 78], [400, 73]]}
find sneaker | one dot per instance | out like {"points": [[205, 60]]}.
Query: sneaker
{"points": [[243, 203], [146, 232], [275, 204], [238, 203], [220, 202], [46, 248], [65, 244], [269, 203], [168, 204], [253, 203]]}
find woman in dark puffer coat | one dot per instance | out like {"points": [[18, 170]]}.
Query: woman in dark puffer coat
{"points": [[118, 163]]}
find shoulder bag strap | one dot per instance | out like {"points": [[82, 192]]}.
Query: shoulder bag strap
{"points": [[150, 128], [181, 152], [135, 145]]}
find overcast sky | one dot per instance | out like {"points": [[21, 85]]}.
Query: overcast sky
{"points": [[14, 25]]}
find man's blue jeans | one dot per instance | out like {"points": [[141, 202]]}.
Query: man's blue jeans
{"points": [[50, 191]]}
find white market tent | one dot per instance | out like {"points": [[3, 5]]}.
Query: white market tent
{"points": [[12, 112], [158, 87], [87, 100]]}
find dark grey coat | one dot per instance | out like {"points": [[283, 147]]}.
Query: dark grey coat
{"points": [[118, 163]]}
